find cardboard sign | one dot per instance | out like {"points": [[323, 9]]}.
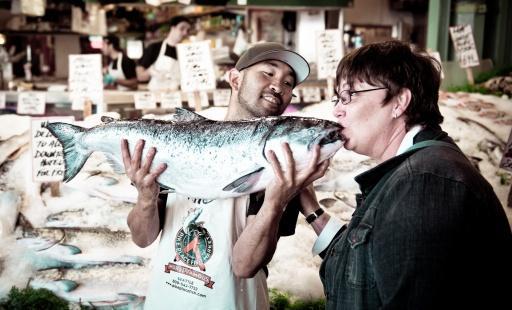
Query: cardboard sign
{"points": [[329, 52], [171, 100], [85, 81], [144, 100], [47, 153], [311, 94], [196, 66], [2, 100], [221, 97], [462, 37], [506, 161], [205, 102], [31, 103]]}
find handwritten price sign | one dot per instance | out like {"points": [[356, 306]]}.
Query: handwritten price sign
{"points": [[196, 66], [462, 37]]}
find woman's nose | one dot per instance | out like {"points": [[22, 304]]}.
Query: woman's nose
{"points": [[338, 110]]}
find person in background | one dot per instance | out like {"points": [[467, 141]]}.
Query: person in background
{"points": [[159, 63], [120, 73], [220, 262], [428, 231]]}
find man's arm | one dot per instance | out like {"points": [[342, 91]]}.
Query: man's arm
{"points": [[143, 74], [258, 241], [143, 220], [130, 74], [148, 58]]}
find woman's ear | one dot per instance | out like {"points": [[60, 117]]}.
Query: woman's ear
{"points": [[234, 79], [402, 102]]}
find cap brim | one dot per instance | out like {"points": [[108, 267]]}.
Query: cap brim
{"points": [[298, 64]]}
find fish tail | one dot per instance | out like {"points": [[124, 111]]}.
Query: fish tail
{"points": [[75, 155]]}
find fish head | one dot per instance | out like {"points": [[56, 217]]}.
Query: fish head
{"points": [[302, 134]]}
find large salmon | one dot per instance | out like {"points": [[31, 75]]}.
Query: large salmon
{"points": [[205, 159]]}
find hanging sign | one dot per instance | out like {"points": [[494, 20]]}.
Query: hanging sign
{"points": [[329, 52], [85, 81], [196, 66], [465, 48]]}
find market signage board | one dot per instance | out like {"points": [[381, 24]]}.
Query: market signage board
{"points": [[144, 100], [196, 66], [329, 52], [31, 103], [311, 94], [85, 81], [465, 48], [170, 100], [47, 153]]}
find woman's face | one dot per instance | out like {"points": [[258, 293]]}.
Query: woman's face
{"points": [[367, 123]]}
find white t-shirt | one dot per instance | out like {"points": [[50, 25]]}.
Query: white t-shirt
{"points": [[192, 268]]}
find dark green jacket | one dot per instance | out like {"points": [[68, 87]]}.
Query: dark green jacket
{"points": [[433, 235]]}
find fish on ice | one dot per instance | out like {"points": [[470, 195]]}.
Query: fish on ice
{"points": [[205, 159]]}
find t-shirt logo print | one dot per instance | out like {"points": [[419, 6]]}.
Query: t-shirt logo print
{"points": [[194, 247]]}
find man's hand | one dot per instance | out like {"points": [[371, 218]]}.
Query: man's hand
{"points": [[139, 174], [288, 182]]}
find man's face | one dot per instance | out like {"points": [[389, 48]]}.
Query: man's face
{"points": [[266, 88], [180, 31], [105, 48]]}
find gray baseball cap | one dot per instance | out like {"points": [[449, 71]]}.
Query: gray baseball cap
{"points": [[274, 51]]}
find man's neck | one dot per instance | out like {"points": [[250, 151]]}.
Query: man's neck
{"points": [[170, 40], [114, 54]]}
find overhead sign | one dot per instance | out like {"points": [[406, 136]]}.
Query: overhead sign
{"points": [[85, 80], [196, 66], [465, 48], [329, 52]]}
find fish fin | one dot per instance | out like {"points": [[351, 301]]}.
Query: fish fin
{"points": [[246, 182], [107, 119], [75, 155], [184, 115], [114, 164]]}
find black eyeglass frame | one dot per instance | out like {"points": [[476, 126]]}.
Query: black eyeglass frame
{"points": [[335, 99]]}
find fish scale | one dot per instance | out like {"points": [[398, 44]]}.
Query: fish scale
{"points": [[205, 159]]}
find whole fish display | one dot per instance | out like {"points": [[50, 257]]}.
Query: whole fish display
{"points": [[205, 159]]}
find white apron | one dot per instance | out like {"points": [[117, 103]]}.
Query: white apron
{"points": [[165, 72], [117, 73], [192, 268]]}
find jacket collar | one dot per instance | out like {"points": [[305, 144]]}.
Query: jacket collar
{"points": [[367, 180]]}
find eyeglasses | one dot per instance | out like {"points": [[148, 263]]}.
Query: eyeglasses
{"points": [[346, 96]]}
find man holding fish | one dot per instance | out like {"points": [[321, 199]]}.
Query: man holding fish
{"points": [[213, 252]]}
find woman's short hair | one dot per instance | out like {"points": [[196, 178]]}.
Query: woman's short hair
{"points": [[394, 65]]}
